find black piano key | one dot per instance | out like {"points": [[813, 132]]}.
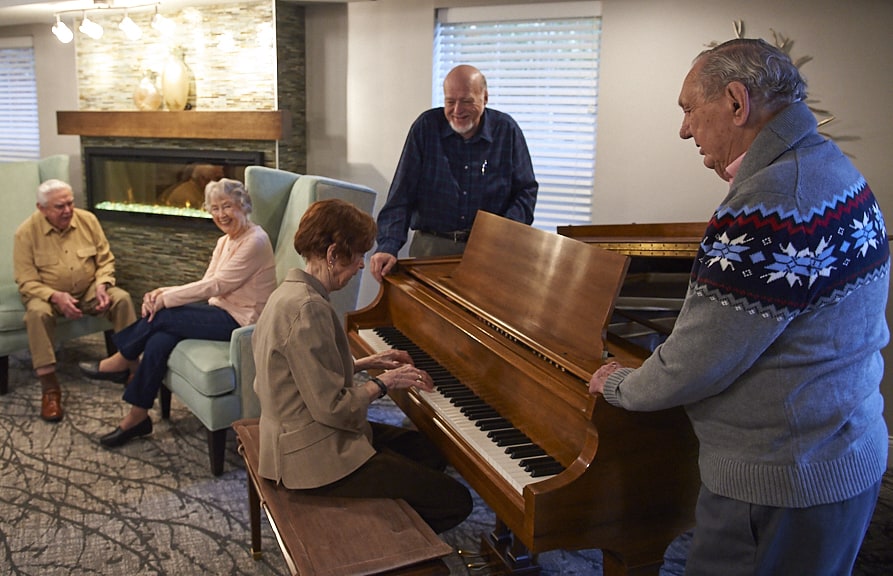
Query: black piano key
{"points": [[450, 388], [457, 392], [493, 424], [525, 451], [466, 401], [479, 412], [510, 437], [512, 441], [460, 394], [507, 433], [434, 367], [547, 470], [541, 466], [535, 461], [428, 364]]}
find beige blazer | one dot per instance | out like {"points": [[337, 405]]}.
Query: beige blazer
{"points": [[313, 427]]}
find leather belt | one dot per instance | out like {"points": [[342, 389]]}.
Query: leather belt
{"points": [[456, 236]]}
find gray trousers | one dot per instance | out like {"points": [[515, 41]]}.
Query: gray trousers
{"points": [[737, 538], [425, 246]]}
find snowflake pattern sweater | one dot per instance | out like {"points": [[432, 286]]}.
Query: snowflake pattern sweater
{"points": [[776, 351]]}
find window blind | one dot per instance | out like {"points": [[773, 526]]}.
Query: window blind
{"points": [[543, 71], [19, 133]]}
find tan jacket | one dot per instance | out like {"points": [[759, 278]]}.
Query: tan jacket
{"points": [[46, 260], [313, 427]]}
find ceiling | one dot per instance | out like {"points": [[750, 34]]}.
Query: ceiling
{"points": [[16, 12]]}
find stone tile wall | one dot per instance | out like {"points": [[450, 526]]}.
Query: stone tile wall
{"points": [[230, 49], [164, 252]]}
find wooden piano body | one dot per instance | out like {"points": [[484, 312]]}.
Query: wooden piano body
{"points": [[521, 319], [661, 256]]}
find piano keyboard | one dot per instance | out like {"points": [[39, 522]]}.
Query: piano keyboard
{"points": [[514, 456]]}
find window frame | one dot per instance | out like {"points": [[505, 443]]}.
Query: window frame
{"points": [[19, 125], [560, 121]]}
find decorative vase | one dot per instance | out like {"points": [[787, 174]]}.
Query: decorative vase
{"points": [[147, 95], [176, 80]]}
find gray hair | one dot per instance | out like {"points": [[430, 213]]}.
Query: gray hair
{"points": [[233, 189], [48, 187], [767, 72]]}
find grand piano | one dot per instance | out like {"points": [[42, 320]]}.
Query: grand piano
{"points": [[511, 331]]}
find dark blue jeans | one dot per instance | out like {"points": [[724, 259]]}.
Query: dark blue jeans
{"points": [[156, 339]]}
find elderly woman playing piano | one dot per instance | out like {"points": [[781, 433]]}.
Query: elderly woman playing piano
{"points": [[314, 433]]}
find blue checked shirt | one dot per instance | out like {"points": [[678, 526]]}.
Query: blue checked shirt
{"points": [[442, 180]]}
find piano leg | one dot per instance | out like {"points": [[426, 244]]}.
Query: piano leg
{"points": [[501, 547]]}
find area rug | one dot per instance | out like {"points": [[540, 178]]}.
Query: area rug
{"points": [[152, 507]]}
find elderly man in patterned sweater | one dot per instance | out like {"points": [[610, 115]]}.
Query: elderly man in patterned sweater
{"points": [[776, 351]]}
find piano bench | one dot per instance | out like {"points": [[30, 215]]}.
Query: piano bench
{"points": [[321, 536]]}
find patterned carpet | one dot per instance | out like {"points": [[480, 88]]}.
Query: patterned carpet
{"points": [[68, 506]]}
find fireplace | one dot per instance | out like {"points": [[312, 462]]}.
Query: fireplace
{"points": [[121, 182]]}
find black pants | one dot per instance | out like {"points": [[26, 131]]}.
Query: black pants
{"points": [[408, 466]]}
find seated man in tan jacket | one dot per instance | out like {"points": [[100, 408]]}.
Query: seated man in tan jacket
{"points": [[63, 267]]}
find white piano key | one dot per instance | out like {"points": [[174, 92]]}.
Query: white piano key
{"points": [[504, 465]]}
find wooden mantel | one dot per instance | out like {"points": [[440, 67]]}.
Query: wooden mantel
{"points": [[205, 124]]}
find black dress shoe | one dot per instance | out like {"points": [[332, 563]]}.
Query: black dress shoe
{"points": [[120, 437], [91, 370]]}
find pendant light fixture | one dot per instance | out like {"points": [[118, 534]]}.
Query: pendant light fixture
{"points": [[62, 31], [94, 30], [129, 27], [91, 28]]}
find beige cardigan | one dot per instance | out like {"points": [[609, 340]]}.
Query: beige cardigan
{"points": [[313, 427], [239, 278]]}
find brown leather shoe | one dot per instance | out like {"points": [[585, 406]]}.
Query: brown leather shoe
{"points": [[51, 405]]}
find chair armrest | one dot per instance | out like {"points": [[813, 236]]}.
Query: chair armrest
{"points": [[242, 356]]}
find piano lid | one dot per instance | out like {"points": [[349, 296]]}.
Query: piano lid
{"points": [[553, 294]]}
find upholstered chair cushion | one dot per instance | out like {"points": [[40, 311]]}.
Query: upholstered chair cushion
{"points": [[206, 365], [12, 312]]}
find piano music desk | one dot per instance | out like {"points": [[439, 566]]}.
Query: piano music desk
{"points": [[322, 536]]}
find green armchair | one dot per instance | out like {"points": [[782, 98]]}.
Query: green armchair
{"points": [[215, 379]]}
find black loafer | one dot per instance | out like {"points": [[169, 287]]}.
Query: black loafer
{"points": [[91, 370], [120, 437]]}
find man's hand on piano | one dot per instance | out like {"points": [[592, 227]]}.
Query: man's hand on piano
{"points": [[381, 263], [384, 360], [407, 376], [597, 382]]}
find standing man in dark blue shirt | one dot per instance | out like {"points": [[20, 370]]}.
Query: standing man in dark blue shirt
{"points": [[457, 160]]}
